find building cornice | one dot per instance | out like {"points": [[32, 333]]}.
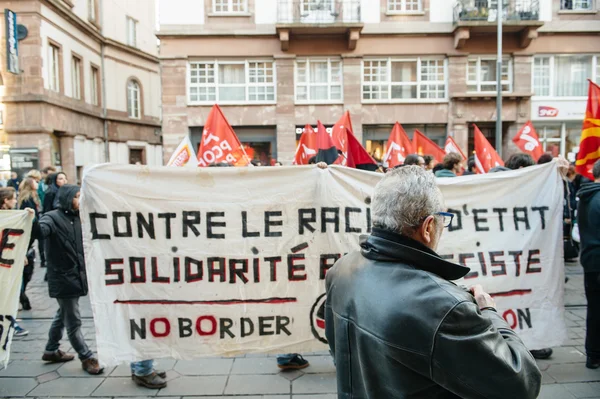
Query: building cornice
{"points": [[132, 50]]}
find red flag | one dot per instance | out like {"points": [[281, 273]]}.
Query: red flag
{"points": [[358, 157], [423, 145], [486, 156], [307, 146], [219, 142], [451, 146], [398, 147], [527, 140], [326, 151], [589, 144], [339, 135]]}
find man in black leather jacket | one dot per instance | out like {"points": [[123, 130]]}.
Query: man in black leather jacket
{"points": [[396, 324]]}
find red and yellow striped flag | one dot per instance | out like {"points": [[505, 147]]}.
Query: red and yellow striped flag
{"points": [[589, 145]]}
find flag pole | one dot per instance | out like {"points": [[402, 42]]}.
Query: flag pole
{"points": [[499, 10]]}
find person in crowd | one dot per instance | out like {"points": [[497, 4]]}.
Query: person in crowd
{"points": [[414, 159], [589, 230], [28, 199], [42, 188], [67, 279], [144, 374], [437, 168], [452, 165], [471, 167], [14, 181], [8, 201], [545, 158], [54, 182], [575, 178], [519, 160], [429, 161], [414, 333]]}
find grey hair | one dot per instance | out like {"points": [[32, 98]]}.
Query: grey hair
{"points": [[404, 198]]}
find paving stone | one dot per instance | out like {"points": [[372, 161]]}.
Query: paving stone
{"points": [[547, 379], [256, 384], [183, 386], [204, 367], [73, 369], [555, 392], [47, 377], [584, 390], [573, 373], [255, 365], [122, 387], [564, 354], [315, 383], [291, 375], [124, 370], [327, 396], [319, 364], [28, 368], [67, 387], [16, 386]]}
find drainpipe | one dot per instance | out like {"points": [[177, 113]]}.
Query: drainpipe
{"points": [[104, 112]]}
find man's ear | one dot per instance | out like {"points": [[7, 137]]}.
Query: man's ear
{"points": [[427, 229]]}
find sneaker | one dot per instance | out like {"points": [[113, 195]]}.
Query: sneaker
{"points": [[542, 353], [57, 357], [152, 381], [20, 332], [295, 363], [91, 366], [161, 373], [592, 362]]}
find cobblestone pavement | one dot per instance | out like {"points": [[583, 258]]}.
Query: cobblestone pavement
{"points": [[248, 377]]}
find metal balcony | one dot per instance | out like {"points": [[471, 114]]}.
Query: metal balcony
{"points": [[480, 16], [318, 17]]}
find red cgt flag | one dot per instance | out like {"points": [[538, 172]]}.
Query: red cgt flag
{"points": [[527, 140], [486, 156], [339, 135], [307, 146], [423, 145], [398, 147], [589, 144], [451, 146], [219, 142]]}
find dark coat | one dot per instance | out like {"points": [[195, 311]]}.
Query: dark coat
{"points": [[588, 218], [49, 203], [398, 328], [61, 229], [30, 203]]}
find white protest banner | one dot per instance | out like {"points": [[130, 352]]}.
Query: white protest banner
{"points": [[15, 230], [221, 261]]}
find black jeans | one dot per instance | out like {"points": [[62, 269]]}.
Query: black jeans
{"points": [[592, 293]]}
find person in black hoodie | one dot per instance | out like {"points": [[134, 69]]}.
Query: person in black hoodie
{"points": [[67, 280], [588, 217], [54, 182]]}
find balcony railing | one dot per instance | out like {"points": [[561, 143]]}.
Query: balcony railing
{"points": [[318, 11], [486, 10]]}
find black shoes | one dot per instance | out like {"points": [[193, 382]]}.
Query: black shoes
{"points": [[592, 362], [542, 353]]}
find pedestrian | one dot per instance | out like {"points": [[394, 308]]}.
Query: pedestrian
{"points": [[413, 159], [519, 160], [54, 182], [28, 199], [14, 181], [452, 165], [8, 201], [43, 187], [143, 374], [398, 327], [429, 161], [471, 167], [66, 278], [588, 216]]}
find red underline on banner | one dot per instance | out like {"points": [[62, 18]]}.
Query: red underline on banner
{"points": [[213, 302], [512, 293]]}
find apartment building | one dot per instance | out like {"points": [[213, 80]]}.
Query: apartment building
{"points": [[276, 65], [87, 89]]}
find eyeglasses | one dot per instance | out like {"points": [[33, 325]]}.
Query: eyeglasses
{"points": [[447, 217]]}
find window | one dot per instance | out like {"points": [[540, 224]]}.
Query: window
{"points": [[54, 68], [481, 75], [560, 138], [232, 82], [76, 72], [131, 32], [230, 6], [576, 5], [92, 10], [95, 86], [564, 76], [318, 80], [404, 6], [133, 99], [136, 156], [397, 80]]}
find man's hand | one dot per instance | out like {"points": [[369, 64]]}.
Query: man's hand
{"points": [[563, 166], [483, 299], [321, 165], [26, 261], [31, 211]]}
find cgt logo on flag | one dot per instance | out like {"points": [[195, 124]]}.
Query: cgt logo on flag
{"points": [[547, 112]]}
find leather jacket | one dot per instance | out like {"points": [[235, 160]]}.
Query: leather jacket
{"points": [[398, 328]]}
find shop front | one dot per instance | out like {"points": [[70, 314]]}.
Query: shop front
{"points": [[375, 137]]}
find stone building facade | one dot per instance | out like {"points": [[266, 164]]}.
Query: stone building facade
{"points": [[88, 90], [277, 65]]}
